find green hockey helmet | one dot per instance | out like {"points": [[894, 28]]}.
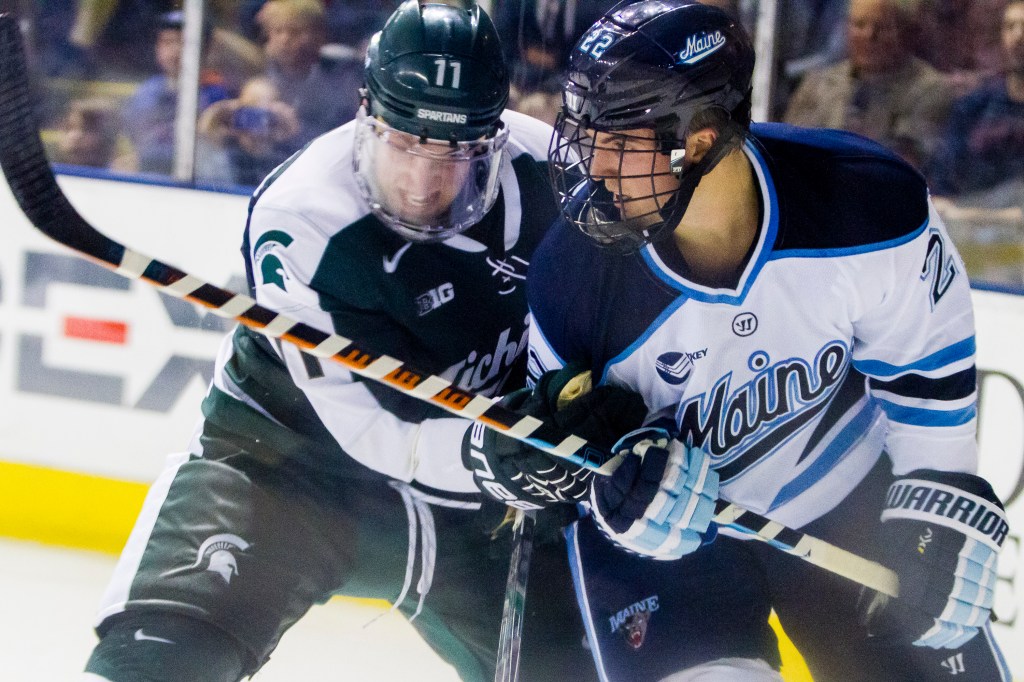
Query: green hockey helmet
{"points": [[437, 71], [429, 135]]}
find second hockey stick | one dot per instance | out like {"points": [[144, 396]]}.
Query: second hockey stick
{"points": [[514, 610], [35, 189]]}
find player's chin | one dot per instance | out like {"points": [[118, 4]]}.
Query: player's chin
{"points": [[419, 211], [420, 217], [641, 216]]}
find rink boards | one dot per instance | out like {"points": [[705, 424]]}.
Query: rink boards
{"points": [[101, 377]]}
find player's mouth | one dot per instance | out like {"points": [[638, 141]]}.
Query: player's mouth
{"points": [[420, 201]]}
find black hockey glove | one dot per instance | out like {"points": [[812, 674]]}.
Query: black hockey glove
{"points": [[942, 532], [524, 477]]}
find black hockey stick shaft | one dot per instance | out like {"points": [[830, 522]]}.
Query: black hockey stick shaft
{"points": [[35, 189]]}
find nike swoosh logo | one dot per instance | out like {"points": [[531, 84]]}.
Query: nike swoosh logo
{"points": [[139, 636], [391, 264]]}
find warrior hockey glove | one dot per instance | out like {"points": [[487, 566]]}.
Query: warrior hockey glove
{"points": [[942, 532], [524, 477], [661, 499]]}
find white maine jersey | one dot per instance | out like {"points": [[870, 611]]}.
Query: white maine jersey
{"points": [[849, 331], [314, 252]]}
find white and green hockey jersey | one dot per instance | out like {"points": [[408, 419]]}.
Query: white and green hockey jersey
{"points": [[314, 252]]}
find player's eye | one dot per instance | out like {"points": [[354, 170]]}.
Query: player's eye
{"points": [[614, 144]]}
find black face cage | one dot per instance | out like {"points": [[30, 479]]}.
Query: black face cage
{"points": [[593, 203]]}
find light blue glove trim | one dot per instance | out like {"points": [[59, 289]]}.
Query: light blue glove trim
{"points": [[946, 636], [657, 541], [970, 602], [633, 438], [683, 508], [652, 537]]}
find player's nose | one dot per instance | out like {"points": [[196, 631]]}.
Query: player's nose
{"points": [[604, 163], [417, 171]]}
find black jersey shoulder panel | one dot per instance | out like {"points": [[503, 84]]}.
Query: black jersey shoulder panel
{"points": [[592, 303], [839, 191]]}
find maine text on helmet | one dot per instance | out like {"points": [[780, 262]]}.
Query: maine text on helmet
{"points": [[700, 46]]}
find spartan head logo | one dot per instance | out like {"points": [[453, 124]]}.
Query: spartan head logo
{"points": [[216, 554], [269, 266]]}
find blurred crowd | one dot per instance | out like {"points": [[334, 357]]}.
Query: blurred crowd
{"points": [[941, 82], [274, 74]]}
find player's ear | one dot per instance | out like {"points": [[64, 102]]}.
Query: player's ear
{"points": [[699, 142]]}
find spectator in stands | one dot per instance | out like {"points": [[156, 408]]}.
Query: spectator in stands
{"points": [[959, 38], [349, 22], [538, 36], [107, 38], [150, 113], [294, 30], [984, 142], [812, 35], [88, 135], [242, 140], [321, 85], [881, 90]]}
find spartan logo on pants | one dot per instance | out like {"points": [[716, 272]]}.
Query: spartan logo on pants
{"points": [[215, 554]]}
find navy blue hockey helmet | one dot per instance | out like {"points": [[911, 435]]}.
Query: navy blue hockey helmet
{"points": [[664, 66], [429, 138]]}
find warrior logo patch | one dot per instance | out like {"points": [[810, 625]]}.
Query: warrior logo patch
{"points": [[216, 554], [744, 324]]}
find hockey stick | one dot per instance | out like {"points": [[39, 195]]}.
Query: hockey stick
{"points": [[514, 610], [28, 174]]}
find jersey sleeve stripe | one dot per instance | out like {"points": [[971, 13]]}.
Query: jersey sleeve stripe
{"points": [[953, 387], [956, 352], [926, 403], [915, 416]]}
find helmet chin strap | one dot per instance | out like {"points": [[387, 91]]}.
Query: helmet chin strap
{"points": [[690, 175]]}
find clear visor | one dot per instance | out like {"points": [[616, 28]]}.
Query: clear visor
{"points": [[424, 189]]}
